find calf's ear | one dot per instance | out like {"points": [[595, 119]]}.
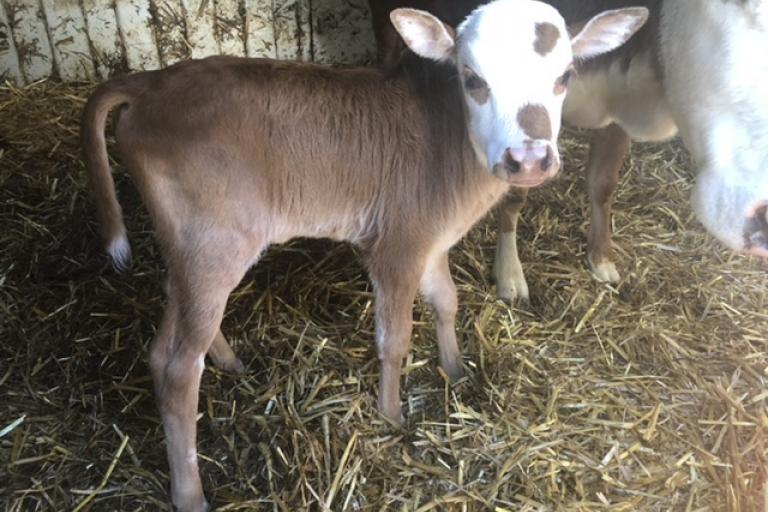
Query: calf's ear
{"points": [[606, 31], [423, 33]]}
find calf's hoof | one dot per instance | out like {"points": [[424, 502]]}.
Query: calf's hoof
{"points": [[392, 413], [605, 271], [193, 504], [234, 365], [512, 290], [453, 369]]}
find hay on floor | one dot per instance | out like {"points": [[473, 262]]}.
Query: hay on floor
{"points": [[648, 395]]}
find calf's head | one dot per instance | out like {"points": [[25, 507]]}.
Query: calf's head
{"points": [[514, 59]]}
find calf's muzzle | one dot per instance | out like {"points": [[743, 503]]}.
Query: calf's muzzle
{"points": [[528, 166]]}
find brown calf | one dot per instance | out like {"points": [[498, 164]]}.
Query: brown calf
{"points": [[233, 155]]}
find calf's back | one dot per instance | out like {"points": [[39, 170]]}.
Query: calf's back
{"points": [[299, 150]]}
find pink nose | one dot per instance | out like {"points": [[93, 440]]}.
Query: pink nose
{"points": [[529, 161], [528, 166]]}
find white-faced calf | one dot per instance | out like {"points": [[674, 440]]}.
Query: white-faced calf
{"points": [[690, 67], [232, 155]]}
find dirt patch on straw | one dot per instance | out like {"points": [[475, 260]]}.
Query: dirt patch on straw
{"points": [[650, 395]]}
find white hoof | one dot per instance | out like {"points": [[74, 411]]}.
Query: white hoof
{"points": [[513, 289], [605, 272], [507, 270]]}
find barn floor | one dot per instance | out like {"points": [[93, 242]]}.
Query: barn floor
{"points": [[650, 395]]}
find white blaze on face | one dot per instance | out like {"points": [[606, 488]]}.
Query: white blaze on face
{"points": [[511, 56]]}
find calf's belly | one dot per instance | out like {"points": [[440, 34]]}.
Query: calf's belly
{"points": [[633, 98]]}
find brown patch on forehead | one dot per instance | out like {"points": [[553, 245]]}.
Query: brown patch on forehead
{"points": [[535, 122], [546, 38]]}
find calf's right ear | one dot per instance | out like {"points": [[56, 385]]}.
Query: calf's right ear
{"points": [[423, 33]]}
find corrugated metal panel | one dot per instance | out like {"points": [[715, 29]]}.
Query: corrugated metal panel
{"points": [[230, 27], [104, 36], [84, 39], [31, 38], [201, 34], [292, 30], [169, 27], [9, 58], [259, 28], [69, 39], [137, 31]]}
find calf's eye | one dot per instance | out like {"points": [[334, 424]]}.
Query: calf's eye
{"points": [[472, 82], [561, 84]]}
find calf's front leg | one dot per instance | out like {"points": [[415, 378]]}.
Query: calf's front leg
{"points": [[440, 292], [606, 154], [507, 269]]}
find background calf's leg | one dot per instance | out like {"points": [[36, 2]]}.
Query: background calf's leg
{"points": [[507, 269], [439, 290], [606, 154]]}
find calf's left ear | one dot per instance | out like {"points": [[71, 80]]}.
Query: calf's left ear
{"points": [[607, 31], [423, 33]]}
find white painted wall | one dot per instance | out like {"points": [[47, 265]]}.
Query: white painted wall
{"points": [[90, 39]]}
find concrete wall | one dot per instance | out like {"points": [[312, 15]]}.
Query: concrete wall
{"points": [[95, 39]]}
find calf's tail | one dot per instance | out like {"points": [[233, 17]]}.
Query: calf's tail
{"points": [[108, 211]]}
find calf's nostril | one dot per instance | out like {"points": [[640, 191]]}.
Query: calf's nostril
{"points": [[546, 162], [510, 162]]}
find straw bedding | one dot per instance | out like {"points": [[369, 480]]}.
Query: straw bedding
{"points": [[648, 395]]}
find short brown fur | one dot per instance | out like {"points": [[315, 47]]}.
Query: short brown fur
{"points": [[231, 155]]}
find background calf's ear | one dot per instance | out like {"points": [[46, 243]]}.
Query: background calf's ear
{"points": [[606, 31], [423, 33]]}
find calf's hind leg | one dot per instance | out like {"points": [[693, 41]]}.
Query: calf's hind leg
{"points": [[606, 154], [197, 296]]}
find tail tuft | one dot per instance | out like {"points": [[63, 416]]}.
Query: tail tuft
{"points": [[106, 97], [120, 251]]}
